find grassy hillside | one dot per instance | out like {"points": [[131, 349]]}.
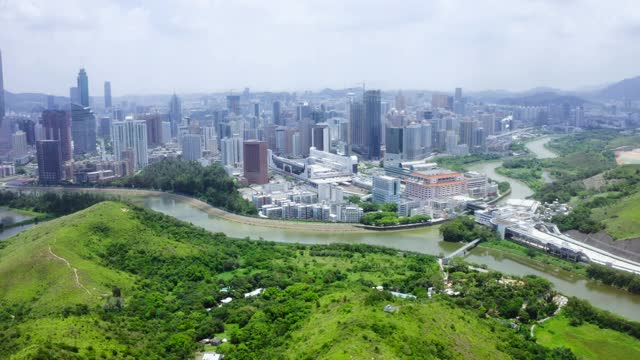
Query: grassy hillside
{"points": [[621, 219], [588, 341], [149, 287]]}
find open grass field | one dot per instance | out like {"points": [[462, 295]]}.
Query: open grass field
{"points": [[33, 266], [622, 219], [587, 341]]}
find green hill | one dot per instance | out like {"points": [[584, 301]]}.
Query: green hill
{"points": [[119, 282]]}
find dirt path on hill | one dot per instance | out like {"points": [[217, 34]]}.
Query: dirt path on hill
{"points": [[76, 277]]}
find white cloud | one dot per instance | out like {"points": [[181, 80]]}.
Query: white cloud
{"points": [[150, 46]]}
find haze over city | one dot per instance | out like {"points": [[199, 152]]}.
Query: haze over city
{"points": [[149, 47], [366, 179]]}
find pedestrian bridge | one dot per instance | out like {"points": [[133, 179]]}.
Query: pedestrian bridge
{"points": [[463, 250]]}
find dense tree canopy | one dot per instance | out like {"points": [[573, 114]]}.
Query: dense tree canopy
{"points": [[208, 183]]}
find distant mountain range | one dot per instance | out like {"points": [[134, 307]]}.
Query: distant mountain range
{"points": [[543, 99], [30, 102], [539, 96], [625, 89]]}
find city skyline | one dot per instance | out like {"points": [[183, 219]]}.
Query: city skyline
{"points": [[388, 47]]}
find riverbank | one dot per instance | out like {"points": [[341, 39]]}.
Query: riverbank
{"points": [[425, 240], [524, 252], [500, 197], [214, 211], [402, 226]]}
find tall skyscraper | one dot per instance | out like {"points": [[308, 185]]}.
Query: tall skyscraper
{"points": [[104, 127], [255, 162], [458, 95], [83, 129], [166, 132], [29, 127], [394, 145], [233, 104], [175, 114], [83, 87], [50, 162], [191, 147], [107, 94], [232, 150], [277, 115], [256, 110], [306, 141], [209, 139], [357, 134], [303, 111], [466, 132], [19, 144], [130, 137], [320, 137], [401, 102], [74, 95], [51, 102], [57, 126], [373, 124], [154, 129], [2, 109]]}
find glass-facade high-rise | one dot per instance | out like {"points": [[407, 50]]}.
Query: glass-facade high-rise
{"points": [[57, 126], [175, 114], [83, 129], [83, 88], [107, 94], [277, 116], [373, 124]]}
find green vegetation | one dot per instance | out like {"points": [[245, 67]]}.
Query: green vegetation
{"points": [[368, 206], [459, 163], [523, 300], [580, 219], [527, 170], [504, 186], [149, 287], [465, 229], [587, 341], [44, 206], [617, 278], [540, 256], [611, 204], [519, 147], [622, 217], [580, 312], [385, 218], [49, 203], [210, 184], [384, 214]]}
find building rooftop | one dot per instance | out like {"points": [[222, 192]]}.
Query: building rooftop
{"points": [[439, 175]]}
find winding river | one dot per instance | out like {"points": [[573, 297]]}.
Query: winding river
{"points": [[424, 240]]}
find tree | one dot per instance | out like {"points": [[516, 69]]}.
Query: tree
{"points": [[453, 231], [390, 207], [354, 199]]}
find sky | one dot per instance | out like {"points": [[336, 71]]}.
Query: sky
{"points": [[188, 46]]}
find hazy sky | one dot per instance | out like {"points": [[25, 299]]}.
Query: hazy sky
{"points": [[158, 46]]}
